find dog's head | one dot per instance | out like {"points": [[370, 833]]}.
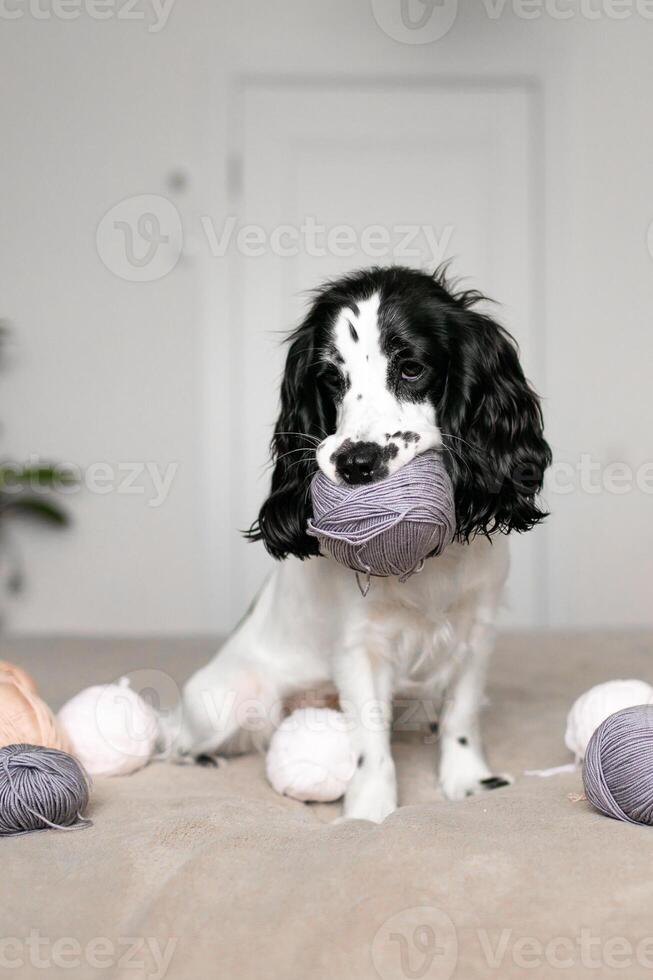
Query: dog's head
{"points": [[387, 364]]}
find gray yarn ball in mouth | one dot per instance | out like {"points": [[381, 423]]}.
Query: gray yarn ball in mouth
{"points": [[618, 765], [41, 788], [389, 527]]}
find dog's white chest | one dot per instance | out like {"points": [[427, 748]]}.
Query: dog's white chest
{"points": [[418, 644]]}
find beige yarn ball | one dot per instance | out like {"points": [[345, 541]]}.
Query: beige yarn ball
{"points": [[24, 716], [597, 704], [17, 675]]}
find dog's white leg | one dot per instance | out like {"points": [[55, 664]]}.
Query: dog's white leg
{"points": [[463, 769], [229, 706], [364, 684], [234, 703]]}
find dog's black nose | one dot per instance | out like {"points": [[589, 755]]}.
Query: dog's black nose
{"points": [[358, 462]]}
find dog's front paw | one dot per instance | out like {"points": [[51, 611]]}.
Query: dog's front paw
{"points": [[371, 796], [374, 809], [460, 786], [464, 772]]}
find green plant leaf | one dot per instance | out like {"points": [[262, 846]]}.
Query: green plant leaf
{"points": [[42, 475], [32, 507]]}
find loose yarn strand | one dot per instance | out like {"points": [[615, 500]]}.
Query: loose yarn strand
{"points": [[363, 588]]}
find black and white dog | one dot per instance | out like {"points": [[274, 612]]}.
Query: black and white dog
{"points": [[388, 363]]}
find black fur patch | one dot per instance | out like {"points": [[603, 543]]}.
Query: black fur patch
{"points": [[494, 782]]}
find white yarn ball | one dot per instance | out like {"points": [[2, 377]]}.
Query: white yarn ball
{"points": [[310, 756], [597, 704], [111, 729]]}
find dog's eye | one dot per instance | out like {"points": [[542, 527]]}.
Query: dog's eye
{"points": [[331, 378], [411, 370]]}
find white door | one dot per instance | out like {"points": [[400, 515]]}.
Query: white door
{"points": [[338, 177]]}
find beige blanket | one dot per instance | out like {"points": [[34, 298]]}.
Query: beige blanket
{"points": [[196, 873]]}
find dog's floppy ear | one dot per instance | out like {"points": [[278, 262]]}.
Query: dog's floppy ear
{"points": [[496, 451], [282, 520]]}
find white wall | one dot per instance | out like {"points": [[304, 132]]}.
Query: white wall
{"points": [[116, 371]]}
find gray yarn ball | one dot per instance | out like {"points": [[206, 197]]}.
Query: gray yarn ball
{"points": [[618, 766], [389, 527], [41, 788]]}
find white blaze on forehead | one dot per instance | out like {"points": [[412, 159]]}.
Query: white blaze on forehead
{"points": [[357, 337]]}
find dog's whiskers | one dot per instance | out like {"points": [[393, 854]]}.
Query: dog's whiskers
{"points": [[476, 449], [290, 452], [302, 435]]}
